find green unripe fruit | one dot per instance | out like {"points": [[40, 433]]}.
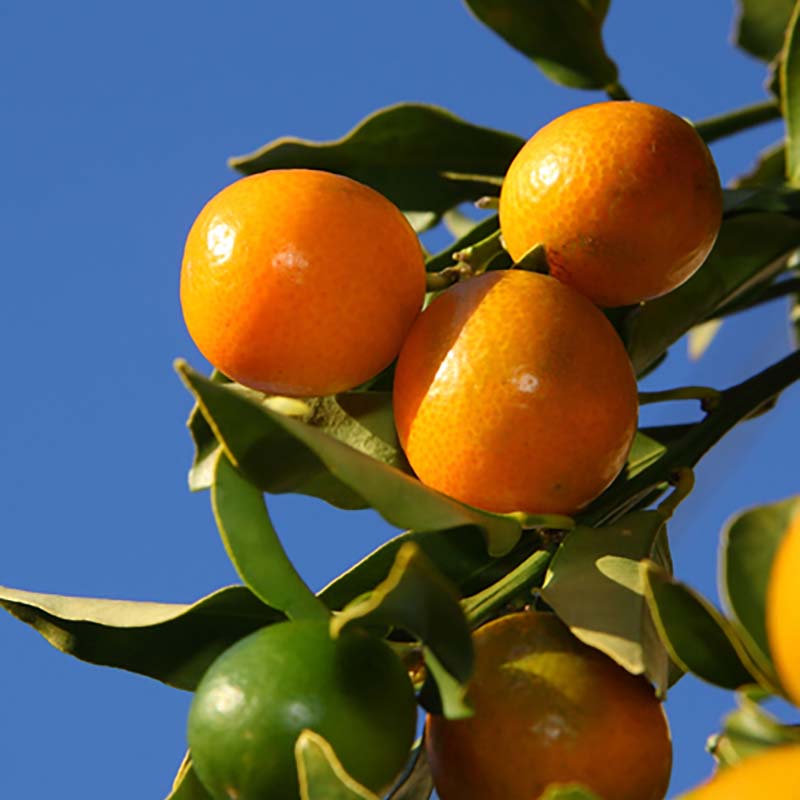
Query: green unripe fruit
{"points": [[256, 698]]}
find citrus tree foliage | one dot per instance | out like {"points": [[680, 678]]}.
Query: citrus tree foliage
{"points": [[607, 572]]}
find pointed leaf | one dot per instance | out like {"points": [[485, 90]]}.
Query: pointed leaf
{"points": [[761, 26], [417, 599], [595, 586], [699, 639], [751, 248], [421, 157], [173, 643], [749, 542], [790, 96], [187, 785], [321, 774], [254, 548], [563, 37], [769, 169], [442, 693], [417, 783], [281, 454], [645, 451]]}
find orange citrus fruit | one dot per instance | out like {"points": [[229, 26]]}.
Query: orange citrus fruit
{"points": [[783, 610], [624, 197], [300, 282], [773, 773], [549, 710], [260, 694], [514, 393]]}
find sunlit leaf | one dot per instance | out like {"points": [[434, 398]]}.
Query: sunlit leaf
{"points": [[699, 639], [761, 26], [187, 785], [280, 454], [421, 157], [595, 585], [173, 643], [563, 37], [572, 791], [790, 96], [701, 336], [321, 774], [749, 542]]}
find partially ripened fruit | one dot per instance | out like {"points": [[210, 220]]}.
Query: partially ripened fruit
{"points": [[624, 196], [300, 282], [514, 393], [549, 710], [257, 697], [783, 610]]}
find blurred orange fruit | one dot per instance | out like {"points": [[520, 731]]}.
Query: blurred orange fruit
{"points": [[514, 393], [624, 197], [783, 611], [549, 710], [300, 282], [771, 773]]}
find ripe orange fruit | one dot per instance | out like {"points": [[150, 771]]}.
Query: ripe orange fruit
{"points": [[783, 610], [300, 282], [259, 695], [624, 197], [549, 709], [771, 773], [514, 393]]}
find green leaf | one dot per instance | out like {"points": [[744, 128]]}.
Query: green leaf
{"points": [[572, 791], [421, 157], [417, 783], [769, 169], [748, 731], [321, 774], [790, 96], [699, 639], [595, 586], [761, 25], [645, 451], [563, 37], [187, 785], [280, 454], [173, 643], [751, 248], [749, 542], [254, 548], [417, 599]]}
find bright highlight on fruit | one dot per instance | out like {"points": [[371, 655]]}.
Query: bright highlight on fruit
{"points": [[624, 196], [783, 611], [514, 393], [549, 709], [300, 282], [258, 696]]}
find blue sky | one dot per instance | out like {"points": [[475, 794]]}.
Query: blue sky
{"points": [[118, 120]]}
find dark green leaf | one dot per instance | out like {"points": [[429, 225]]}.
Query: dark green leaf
{"points": [[563, 37], [416, 598], [421, 157], [595, 586], [749, 542], [322, 777], [572, 791], [254, 548], [173, 643], [417, 783], [748, 731], [699, 639], [790, 96], [187, 785], [280, 454], [769, 169], [751, 248], [761, 26]]}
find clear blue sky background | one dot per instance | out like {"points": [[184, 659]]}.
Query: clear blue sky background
{"points": [[117, 121]]}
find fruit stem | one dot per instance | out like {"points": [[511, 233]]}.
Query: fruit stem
{"points": [[683, 481], [436, 281], [488, 203], [741, 119], [707, 396], [483, 605], [477, 257], [616, 91]]}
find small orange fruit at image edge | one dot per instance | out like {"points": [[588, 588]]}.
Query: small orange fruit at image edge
{"points": [[783, 611], [624, 196], [772, 773], [514, 393], [300, 282], [549, 710]]}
